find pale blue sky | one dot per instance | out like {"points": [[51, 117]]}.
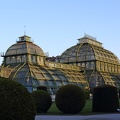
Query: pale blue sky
{"points": [[55, 25]]}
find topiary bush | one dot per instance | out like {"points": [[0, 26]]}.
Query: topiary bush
{"points": [[43, 100], [119, 93], [70, 99], [42, 88], [105, 99], [16, 103]]}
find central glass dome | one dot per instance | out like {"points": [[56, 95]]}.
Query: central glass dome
{"points": [[24, 46], [24, 50]]}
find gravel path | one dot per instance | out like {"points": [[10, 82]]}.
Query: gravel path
{"points": [[79, 117]]}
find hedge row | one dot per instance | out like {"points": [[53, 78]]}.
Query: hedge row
{"points": [[16, 103]]}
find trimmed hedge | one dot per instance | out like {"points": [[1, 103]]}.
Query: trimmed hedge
{"points": [[70, 99], [43, 100], [16, 103], [105, 99], [119, 93]]}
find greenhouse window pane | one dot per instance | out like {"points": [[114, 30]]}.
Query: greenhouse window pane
{"points": [[58, 83], [51, 83], [38, 75], [42, 82], [55, 76], [62, 77], [29, 89], [65, 83], [47, 75]]}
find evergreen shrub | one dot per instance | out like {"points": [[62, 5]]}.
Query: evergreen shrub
{"points": [[119, 93], [16, 103], [70, 99], [105, 99], [43, 100]]}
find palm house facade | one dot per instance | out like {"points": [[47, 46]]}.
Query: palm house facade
{"points": [[26, 63], [98, 65]]}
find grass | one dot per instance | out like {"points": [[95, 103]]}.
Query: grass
{"points": [[55, 111], [87, 110]]}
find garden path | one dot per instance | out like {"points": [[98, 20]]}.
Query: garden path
{"points": [[79, 117]]}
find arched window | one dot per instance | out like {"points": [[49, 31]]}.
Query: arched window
{"points": [[18, 59], [33, 59], [24, 58], [8, 60], [13, 60]]}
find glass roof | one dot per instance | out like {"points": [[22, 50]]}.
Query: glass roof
{"points": [[86, 51], [34, 75], [24, 46], [88, 58]]}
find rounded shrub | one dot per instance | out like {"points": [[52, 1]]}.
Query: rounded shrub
{"points": [[105, 99], [43, 100], [16, 103], [70, 99], [119, 93], [42, 88]]}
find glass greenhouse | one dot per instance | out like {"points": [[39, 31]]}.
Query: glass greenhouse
{"points": [[98, 65], [86, 64], [26, 63]]}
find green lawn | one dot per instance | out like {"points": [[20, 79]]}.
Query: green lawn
{"points": [[87, 110], [54, 110]]}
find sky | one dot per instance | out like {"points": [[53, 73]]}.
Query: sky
{"points": [[55, 25]]}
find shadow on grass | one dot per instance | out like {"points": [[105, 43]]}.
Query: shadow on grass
{"points": [[87, 110]]}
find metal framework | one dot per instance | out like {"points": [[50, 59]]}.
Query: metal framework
{"points": [[100, 66], [26, 63]]}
